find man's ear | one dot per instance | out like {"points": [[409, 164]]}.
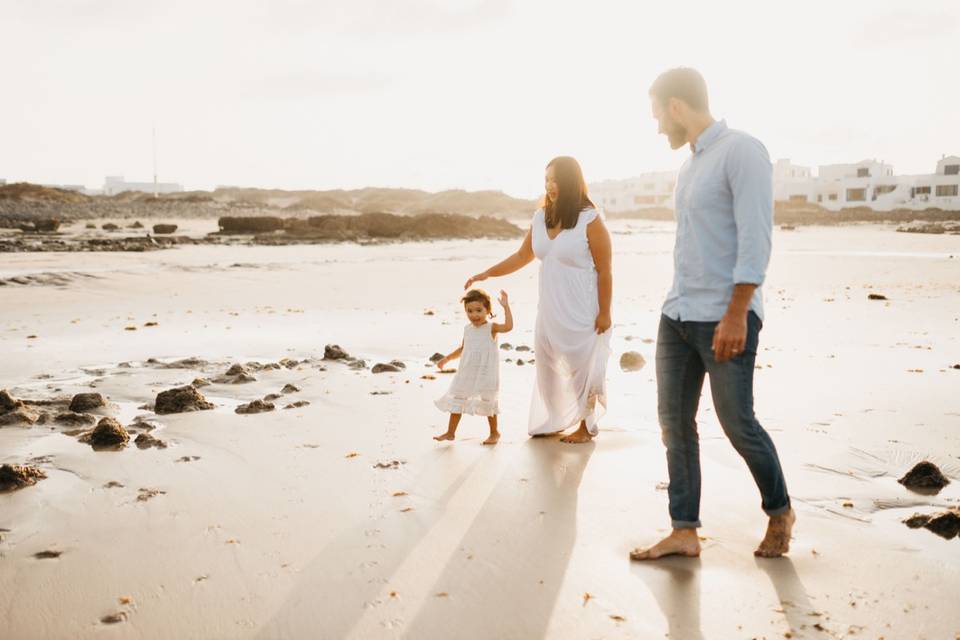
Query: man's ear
{"points": [[675, 107]]}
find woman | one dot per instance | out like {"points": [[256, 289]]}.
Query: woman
{"points": [[572, 337]]}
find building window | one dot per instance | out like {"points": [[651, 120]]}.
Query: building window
{"points": [[820, 197], [650, 186], [832, 196], [947, 190], [863, 172], [951, 170], [919, 191], [856, 195]]}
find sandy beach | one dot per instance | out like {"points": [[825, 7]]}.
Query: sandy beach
{"points": [[342, 518]]}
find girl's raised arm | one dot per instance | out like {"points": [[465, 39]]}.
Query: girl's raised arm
{"points": [[507, 315]]}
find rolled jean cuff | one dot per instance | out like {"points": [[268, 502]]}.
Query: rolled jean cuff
{"points": [[685, 524], [779, 511]]}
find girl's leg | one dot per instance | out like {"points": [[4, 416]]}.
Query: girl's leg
{"points": [[451, 428], [494, 434]]}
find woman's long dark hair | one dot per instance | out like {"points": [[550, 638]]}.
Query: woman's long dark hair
{"points": [[572, 195]]}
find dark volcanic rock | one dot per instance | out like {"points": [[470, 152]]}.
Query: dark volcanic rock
{"points": [[109, 227], [917, 520], [145, 441], [298, 404], [399, 364], [876, 296], [46, 225], [523, 347], [107, 434], [257, 406], [136, 225], [200, 382], [506, 346], [87, 402], [180, 400], [946, 524], [16, 476], [8, 403], [185, 363], [924, 476], [334, 352], [236, 370], [164, 229], [290, 388], [73, 419], [385, 368], [270, 397], [437, 357]]}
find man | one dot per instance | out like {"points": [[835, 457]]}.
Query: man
{"points": [[714, 311]]}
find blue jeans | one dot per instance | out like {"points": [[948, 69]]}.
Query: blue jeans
{"points": [[684, 357]]}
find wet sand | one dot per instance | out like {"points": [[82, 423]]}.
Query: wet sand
{"points": [[280, 524]]}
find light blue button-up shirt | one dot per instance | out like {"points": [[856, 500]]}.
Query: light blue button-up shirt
{"points": [[724, 209]]}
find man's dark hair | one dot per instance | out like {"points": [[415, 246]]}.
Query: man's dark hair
{"points": [[684, 84]]}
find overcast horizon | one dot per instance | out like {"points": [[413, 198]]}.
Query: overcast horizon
{"points": [[463, 94]]}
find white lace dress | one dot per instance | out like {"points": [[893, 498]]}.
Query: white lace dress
{"points": [[475, 388], [571, 359]]}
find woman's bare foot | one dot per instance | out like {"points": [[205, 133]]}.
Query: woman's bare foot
{"points": [[777, 540], [444, 436], [680, 542], [580, 436], [493, 439]]}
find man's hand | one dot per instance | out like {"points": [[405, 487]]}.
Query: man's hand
{"points": [[730, 336]]}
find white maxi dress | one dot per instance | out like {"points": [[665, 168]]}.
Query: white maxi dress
{"points": [[571, 359]]}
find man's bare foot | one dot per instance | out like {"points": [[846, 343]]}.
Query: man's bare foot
{"points": [[580, 436], [777, 540], [444, 436], [493, 439], [680, 542]]}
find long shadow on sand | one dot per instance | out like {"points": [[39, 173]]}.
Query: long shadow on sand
{"points": [[675, 583], [504, 579], [793, 596], [339, 584]]}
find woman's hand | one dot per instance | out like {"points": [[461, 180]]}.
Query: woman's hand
{"points": [[476, 278], [442, 364], [603, 322]]}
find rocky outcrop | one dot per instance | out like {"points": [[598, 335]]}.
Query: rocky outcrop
{"points": [[251, 224], [257, 406], [164, 229], [924, 477]]}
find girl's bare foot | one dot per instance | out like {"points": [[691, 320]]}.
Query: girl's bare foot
{"points": [[444, 436], [580, 436], [777, 540], [680, 542], [493, 439]]}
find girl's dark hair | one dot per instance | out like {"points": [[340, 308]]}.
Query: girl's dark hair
{"points": [[478, 295], [572, 195]]}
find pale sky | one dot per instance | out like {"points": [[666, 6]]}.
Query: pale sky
{"points": [[472, 94]]}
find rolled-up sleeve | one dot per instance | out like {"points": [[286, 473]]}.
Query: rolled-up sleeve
{"points": [[750, 175]]}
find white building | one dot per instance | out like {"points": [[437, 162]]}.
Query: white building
{"points": [[871, 184], [647, 190], [116, 184]]}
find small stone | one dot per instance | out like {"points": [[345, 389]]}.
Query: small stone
{"points": [[437, 357], [145, 441], [107, 434], [632, 361], [200, 382], [114, 618], [385, 368], [236, 370], [334, 352], [17, 476], [21, 416], [506, 346], [257, 406], [946, 524], [917, 520], [270, 397], [180, 400], [523, 347], [520, 362], [87, 402], [924, 475], [298, 404], [8, 403], [47, 554], [876, 296], [290, 388]]}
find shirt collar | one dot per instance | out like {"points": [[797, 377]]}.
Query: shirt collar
{"points": [[708, 137]]}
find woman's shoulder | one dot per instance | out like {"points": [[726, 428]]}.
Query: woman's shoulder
{"points": [[589, 214], [538, 214]]}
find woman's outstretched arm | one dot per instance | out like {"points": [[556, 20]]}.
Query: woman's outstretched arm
{"points": [[599, 240], [515, 262]]}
